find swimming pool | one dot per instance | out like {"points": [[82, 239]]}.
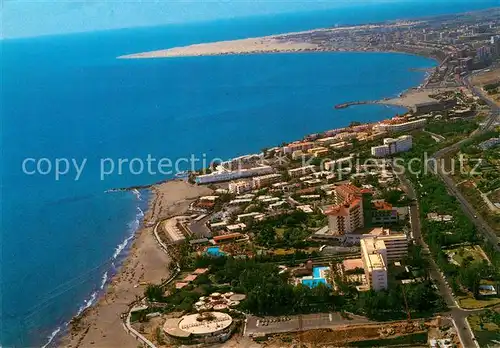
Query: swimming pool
{"points": [[312, 283], [214, 251], [317, 278], [317, 271]]}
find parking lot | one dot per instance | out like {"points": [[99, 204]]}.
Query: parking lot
{"points": [[256, 326]]}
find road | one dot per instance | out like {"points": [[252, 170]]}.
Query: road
{"points": [[481, 224], [458, 315]]}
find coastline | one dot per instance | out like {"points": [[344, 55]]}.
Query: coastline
{"points": [[144, 263], [276, 43], [170, 53]]}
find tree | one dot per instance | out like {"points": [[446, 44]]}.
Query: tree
{"points": [[421, 296], [154, 293], [266, 236], [471, 275]]}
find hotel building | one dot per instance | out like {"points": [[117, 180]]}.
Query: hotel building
{"points": [[392, 146], [400, 127], [297, 172], [225, 175], [303, 146], [376, 252], [347, 216], [338, 162], [265, 180], [384, 213], [373, 254], [239, 187]]}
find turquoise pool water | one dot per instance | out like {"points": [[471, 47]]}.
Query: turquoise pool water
{"points": [[312, 283], [317, 279], [317, 271], [214, 251]]}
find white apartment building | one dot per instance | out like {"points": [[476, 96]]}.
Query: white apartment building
{"points": [[373, 255], [240, 187], [392, 146], [265, 180], [401, 127], [380, 151], [376, 252], [297, 172], [331, 164], [225, 175], [346, 218], [396, 245]]}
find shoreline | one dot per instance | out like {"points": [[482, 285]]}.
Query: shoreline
{"points": [[102, 320], [145, 262], [99, 329], [160, 55], [274, 43]]}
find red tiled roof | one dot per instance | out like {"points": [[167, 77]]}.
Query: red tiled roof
{"points": [[227, 236], [352, 264], [343, 209], [190, 278], [382, 205], [180, 285]]}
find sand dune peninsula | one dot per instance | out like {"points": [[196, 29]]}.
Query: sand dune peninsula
{"points": [[244, 46], [323, 39]]}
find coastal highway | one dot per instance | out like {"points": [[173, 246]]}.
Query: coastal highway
{"points": [[458, 314]]}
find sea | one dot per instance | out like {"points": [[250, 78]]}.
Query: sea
{"points": [[68, 97]]}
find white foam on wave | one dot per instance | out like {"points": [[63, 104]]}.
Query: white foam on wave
{"points": [[137, 194], [52, 336], [104, 279], [133, 226], [87, 303]]}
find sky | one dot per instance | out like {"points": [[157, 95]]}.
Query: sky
{"points": [[28, 18]]}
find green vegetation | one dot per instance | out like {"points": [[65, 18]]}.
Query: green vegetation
{"points": [[465, 254], [487, 173], [486, 327], [492, 88], [451, 129], [434, 198], [286, 231], [271, 292], [468, 302]]}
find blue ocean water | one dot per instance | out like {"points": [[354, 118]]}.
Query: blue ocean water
{"points": [[68, 97]]}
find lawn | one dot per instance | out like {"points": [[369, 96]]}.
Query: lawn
{"points": [[282, 251], [473, 253], [468, 302], [279, 232], [485, 331]]}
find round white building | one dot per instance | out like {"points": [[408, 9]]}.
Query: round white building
{"points": [[198, 326]]}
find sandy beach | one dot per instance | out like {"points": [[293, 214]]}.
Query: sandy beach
{"points": [[264, 44], [101, 325], [287, 42], [415, 96]]}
